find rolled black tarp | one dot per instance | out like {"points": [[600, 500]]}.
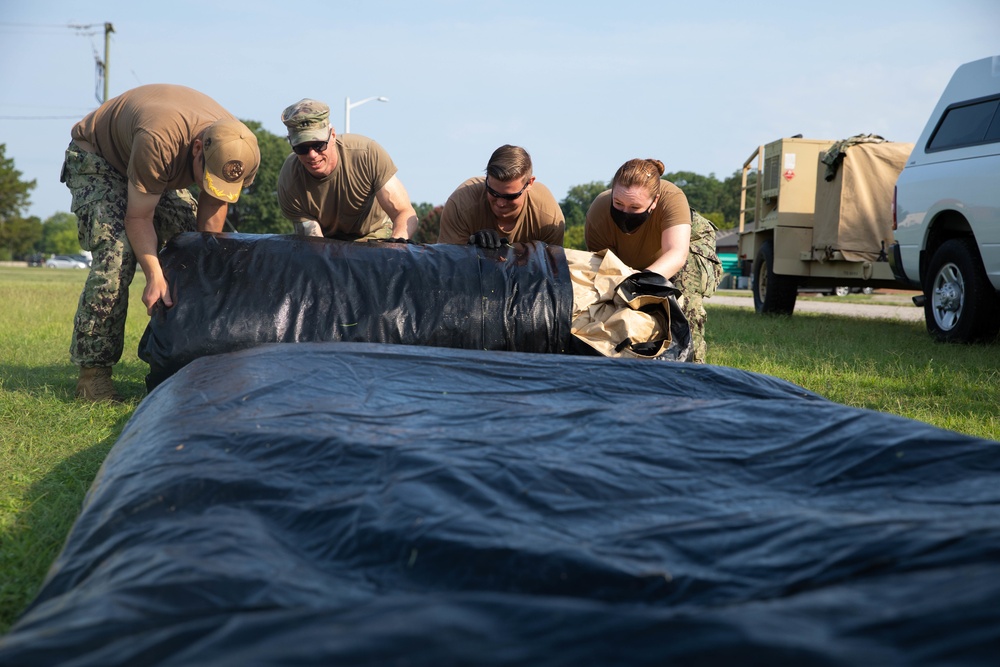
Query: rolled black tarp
{"points": [[234, 291], [364, 504]]}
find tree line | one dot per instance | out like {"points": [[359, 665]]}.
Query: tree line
{"points": [[258, 212]]}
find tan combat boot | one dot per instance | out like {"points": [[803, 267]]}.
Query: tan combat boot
{"points": [[95, 385]]}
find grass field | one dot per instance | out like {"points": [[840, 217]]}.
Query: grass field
{"points": [[51, 446]]}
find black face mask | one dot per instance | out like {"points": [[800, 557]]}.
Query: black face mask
{"points": [[629, 222]]}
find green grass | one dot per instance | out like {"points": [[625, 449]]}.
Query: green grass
{"points": [[51, 446], [885, 365]]}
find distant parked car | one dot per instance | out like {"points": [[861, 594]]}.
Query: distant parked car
{"points": [[65, 262], [837, 291], [36, 260], [86, 259]]}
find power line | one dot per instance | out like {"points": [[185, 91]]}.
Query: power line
{"points": [[38, 117], [84, 30]]}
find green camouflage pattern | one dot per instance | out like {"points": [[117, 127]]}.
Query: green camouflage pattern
{"points": [[307, 120], [100, 195], [698, 279], [379, 233]]}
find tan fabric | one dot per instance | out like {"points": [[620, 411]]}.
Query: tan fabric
{"points": [[467, 211], [146, 134], [343, 203], [601, 318], [642, 247], [854, 211]]}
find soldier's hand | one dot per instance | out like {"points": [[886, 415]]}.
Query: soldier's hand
{"points": [[156, 290], [647, 283], [487, 238]]}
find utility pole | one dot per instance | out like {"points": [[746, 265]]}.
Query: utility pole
{"points": [[102, 66], [108, 29]]}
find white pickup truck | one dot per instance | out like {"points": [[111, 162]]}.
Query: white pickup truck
{"points": [[946, 209]]}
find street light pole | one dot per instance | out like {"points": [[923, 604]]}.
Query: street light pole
{"points": [[348, 105]]}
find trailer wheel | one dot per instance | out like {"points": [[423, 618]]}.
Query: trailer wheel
{"points": [[772, 293], [960, 304]]}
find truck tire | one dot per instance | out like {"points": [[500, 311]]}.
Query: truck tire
{"points": [[960, 304], [773, 294]]}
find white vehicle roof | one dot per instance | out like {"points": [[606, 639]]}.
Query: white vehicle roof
{"points": [[971, 81]]}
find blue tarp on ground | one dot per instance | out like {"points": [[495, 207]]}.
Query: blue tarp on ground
{"points": [[343, 503]]}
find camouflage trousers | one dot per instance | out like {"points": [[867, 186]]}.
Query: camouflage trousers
{"points": [[697, 279], [694, 310], [100, 196]]}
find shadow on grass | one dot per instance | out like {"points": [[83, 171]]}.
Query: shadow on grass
{"points": [[43, 514], [31, 543]]}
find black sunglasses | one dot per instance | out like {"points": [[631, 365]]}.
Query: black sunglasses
{"points": [[500, 195], [303, 149]]}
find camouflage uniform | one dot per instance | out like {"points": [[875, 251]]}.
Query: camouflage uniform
{"points": [[100, 195], [697, 279]]}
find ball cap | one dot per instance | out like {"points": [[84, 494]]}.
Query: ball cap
{"points": [[307, 120], [231, 157]]}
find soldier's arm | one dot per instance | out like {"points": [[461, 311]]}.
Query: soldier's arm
{"points": [[142, 237], [396, 203], [555, 232], [675, 242], [211, 213]]}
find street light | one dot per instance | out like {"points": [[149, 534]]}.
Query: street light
{"points": [[348, 105]]}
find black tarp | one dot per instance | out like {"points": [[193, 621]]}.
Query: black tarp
{"points": [[234, 291], [343, 503]]}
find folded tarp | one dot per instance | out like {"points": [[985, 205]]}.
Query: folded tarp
{"points": [[342, 503], [235, 291]]}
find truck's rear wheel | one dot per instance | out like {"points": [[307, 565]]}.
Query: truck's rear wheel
{"points": [[960, 304], [772, 293]]}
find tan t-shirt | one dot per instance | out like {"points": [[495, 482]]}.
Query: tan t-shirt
{"points": [[343, 203], [640, 248], [467, 211], [146, 134]]}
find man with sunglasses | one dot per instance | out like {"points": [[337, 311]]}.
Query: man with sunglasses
{"points": [[342, 187], [128, 167], [505, 205]]}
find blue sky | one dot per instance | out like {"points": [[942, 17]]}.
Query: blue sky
{"points": [[583, 86]]}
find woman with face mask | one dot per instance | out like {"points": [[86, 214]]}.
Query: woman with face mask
{"points": [[643, 219], [647, 223]]}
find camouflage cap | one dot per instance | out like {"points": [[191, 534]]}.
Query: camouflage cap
{"points": [[307, 120], [231, 155]]}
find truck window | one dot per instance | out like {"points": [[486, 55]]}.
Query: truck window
{"points": [[967, 125]]}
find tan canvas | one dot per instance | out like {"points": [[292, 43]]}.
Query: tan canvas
{"points": [[854, 210], [601, 317]]}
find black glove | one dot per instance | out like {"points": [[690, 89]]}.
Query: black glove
{"points": [[646, 283], [487, 238]]}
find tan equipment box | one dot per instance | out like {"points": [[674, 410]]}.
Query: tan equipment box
{"points": [[822, 216]]}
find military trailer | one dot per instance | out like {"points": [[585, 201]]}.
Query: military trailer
{"points": [[821, 216]]}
